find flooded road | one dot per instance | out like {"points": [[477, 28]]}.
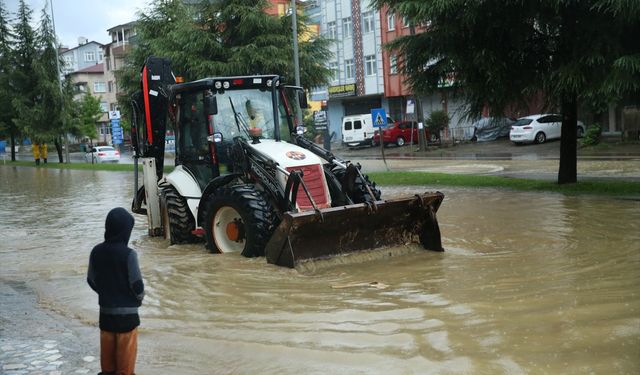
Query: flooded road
{"points": [[529, 283]]}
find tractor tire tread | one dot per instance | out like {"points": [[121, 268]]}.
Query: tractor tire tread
{"points": [[181, 222], [261, 217]]}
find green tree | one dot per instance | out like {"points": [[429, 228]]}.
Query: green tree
{"points": [[223, 38], [6, 115], [47, 113], [23, 78], [89, 112], [437, 121], [502, 53]]}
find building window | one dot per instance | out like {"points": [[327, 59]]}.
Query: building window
{"points": [[370, 66], [99, 87], [406, 22], [346, 27], [331, 30], [90, 56], [367, 22], [391, 21], [110, 86], [100, 56], [104, 106], [350, 69], [335, 73], [108, 60], [393, 64]]}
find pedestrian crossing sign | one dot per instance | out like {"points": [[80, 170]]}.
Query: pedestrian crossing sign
{"points": [[379, 117]]}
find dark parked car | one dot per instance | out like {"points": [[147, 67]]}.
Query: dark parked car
{"points": [[399, 133]]}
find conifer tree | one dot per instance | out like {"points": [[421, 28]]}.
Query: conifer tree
{"points": [[224, 38], [7, 126], [48, 111], [24, 81]]}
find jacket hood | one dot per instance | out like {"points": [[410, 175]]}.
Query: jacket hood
{"points": [[118, 226]]}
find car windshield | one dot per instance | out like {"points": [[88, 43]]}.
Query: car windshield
{"points": [[522, 122], [106, 149], [253, 109]]}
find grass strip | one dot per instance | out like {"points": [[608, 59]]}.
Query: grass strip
{"points": [[596, 187], [81, 166]]}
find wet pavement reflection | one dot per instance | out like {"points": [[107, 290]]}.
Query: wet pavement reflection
{"points": [[529, 283]]}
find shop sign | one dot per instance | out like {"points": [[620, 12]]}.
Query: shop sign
{"points": [[340, 91]]}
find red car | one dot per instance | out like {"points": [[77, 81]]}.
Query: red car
{"points": [[399, 133]]}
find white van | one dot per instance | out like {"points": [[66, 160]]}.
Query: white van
{"points": [[357, 130]]}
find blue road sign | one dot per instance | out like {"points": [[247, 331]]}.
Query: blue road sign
{"points": [[379, 117]]}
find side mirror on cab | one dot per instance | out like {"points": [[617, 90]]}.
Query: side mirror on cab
{"points": [[210, 105], [302, 99]]}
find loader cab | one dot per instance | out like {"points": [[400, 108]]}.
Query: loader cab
{"points": [[194, 151], [208, 114]]}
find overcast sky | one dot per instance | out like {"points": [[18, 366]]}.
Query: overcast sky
{"points": [[87, 18]]}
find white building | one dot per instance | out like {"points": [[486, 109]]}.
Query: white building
{"points": [[357, 84]]}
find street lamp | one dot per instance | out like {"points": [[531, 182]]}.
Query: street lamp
{"points": [[296, 61]]}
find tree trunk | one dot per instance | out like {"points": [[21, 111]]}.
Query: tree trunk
{"points": [[58, 150], [568, 171], [13, 147]]}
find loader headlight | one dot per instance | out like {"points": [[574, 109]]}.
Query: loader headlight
{"points": [[225, 84], [218, 85], [269, 83]]}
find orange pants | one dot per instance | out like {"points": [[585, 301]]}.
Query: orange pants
{"points": [[118, 352]]}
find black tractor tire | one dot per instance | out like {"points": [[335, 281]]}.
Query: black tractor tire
{"points": [[250, 215], [181, 222], [359, 191], [541, 138]]}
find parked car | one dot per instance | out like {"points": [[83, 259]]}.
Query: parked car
{"points": [[399, 133], [539, 128], [492, 128], [102, 154]]}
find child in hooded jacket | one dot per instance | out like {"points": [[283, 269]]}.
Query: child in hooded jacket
{"points": [[114, 274]]}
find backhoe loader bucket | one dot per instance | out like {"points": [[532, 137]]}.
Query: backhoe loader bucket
{"points": [[331, 232]]}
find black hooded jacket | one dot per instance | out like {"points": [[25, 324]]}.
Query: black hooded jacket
{"points": [[114, 274]]}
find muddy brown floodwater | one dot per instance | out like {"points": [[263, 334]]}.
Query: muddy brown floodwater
{"points": [[529, 283]]}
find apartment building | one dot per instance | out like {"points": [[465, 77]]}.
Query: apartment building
{"points": [[357, 83], [122, 37], [91, 80], [84, 55]]}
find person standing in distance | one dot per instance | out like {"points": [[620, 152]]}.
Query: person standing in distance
{"points": [[115, 275]]}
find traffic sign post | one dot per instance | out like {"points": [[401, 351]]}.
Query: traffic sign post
{"points": [[116, 130], [321, 124], [379, 117]]}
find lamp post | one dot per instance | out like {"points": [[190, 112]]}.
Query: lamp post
{"points": [[294, 26], [296, 61]]}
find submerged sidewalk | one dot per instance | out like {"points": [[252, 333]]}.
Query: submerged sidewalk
{"points": [[35, 341]]}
